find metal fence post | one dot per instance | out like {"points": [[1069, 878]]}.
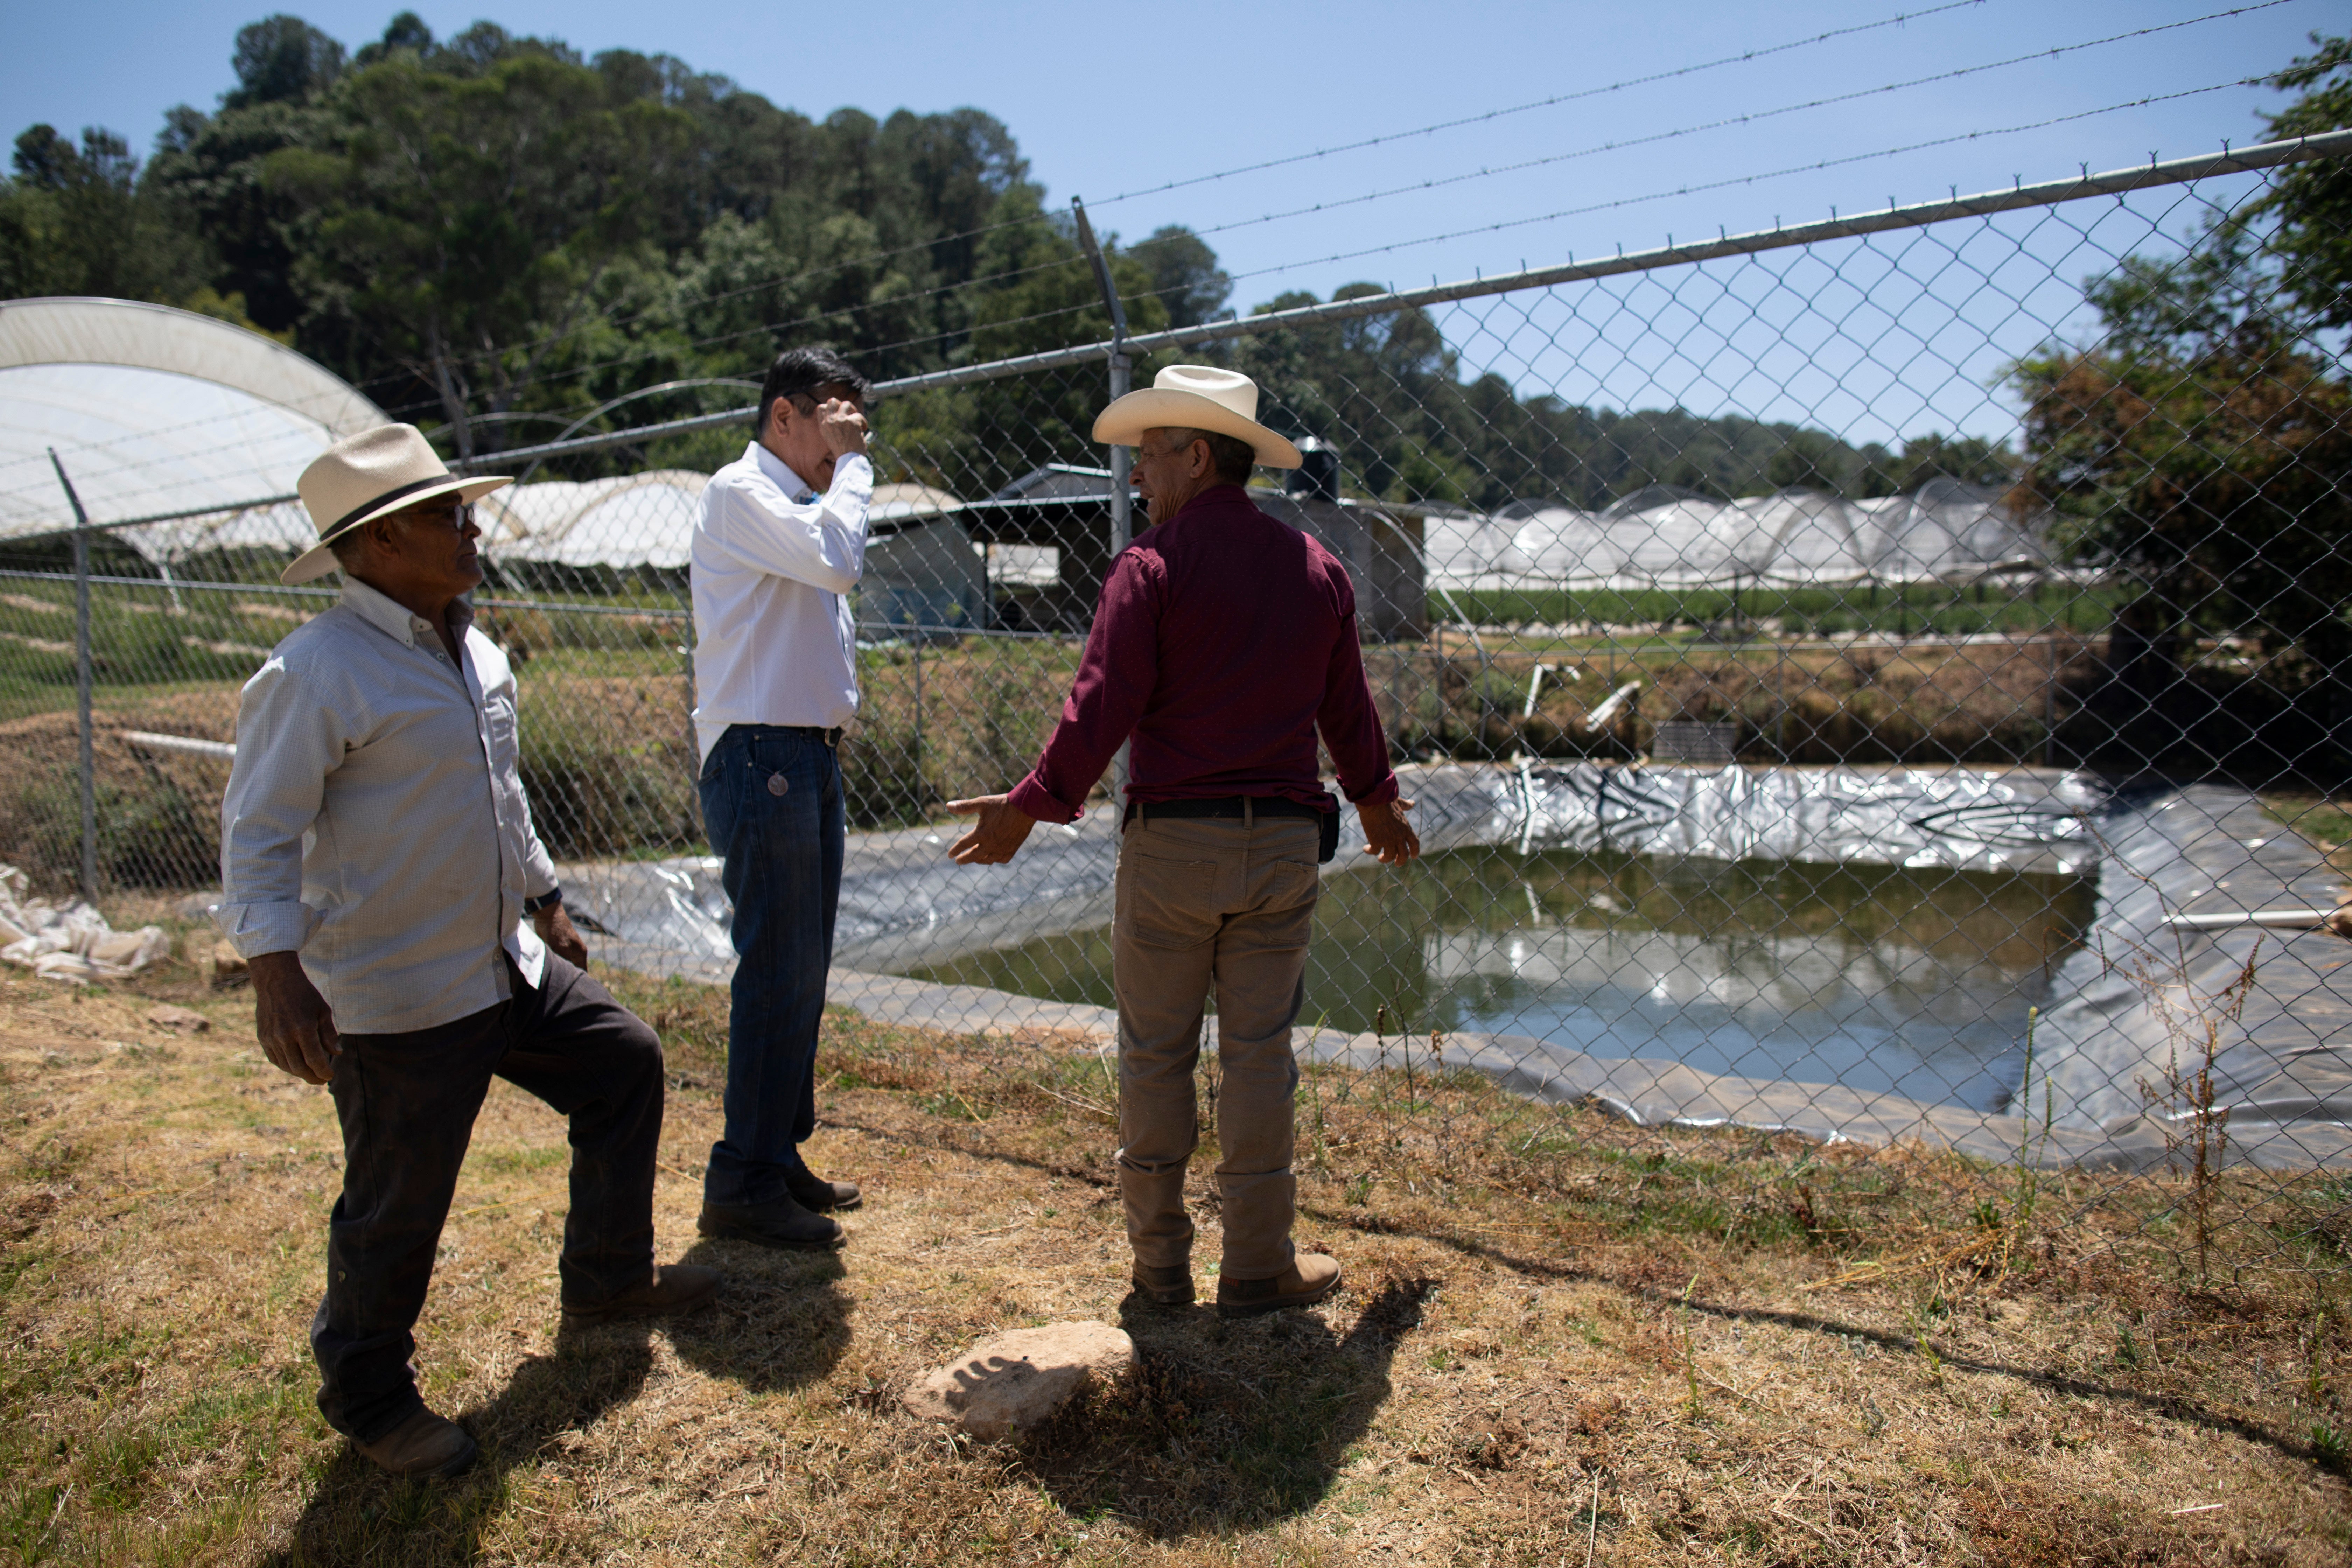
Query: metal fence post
{"points": [[88, 755], [1122, 459], [1122, 467]]}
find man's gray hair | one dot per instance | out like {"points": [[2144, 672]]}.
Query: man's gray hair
{"points": [[1232, 457], [345, 547]]}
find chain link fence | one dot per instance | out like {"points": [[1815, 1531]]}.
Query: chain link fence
{"points": [[1875, 688]]}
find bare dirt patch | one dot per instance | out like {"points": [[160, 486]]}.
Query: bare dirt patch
{"points": [[1590, 1358]]}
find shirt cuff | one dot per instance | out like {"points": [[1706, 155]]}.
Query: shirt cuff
{"points": [[1033, 799], [256, 929], [1384, 790]]}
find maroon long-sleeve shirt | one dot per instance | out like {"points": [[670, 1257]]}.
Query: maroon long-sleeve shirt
{"points": [[1223, 642]]}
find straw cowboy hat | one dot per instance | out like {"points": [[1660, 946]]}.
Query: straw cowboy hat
{"points": [[361, 477], [1195, 397]]}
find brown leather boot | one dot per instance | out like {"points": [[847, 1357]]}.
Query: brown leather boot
{"points": [[1166, 1287], [675, 1287], [1310, 1277], [817, 1196], [425, 1445]]}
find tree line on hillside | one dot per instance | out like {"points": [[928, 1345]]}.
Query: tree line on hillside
{"points": [[495, 235]]}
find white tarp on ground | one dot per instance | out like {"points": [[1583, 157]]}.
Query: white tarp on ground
{"points": [[70, 940], [1946, 530], [152, 409]]}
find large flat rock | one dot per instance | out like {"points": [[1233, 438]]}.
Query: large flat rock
{"points": [[1007, 1385]]}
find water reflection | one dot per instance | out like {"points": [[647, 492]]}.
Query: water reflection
{"points": [[1882, 978]]}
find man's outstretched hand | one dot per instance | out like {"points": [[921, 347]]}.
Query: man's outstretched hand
{"points": [[997, 836], [297, 1030], [1387, 832]]}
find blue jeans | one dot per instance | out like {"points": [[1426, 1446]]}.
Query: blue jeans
{"points": [[771, 803]]}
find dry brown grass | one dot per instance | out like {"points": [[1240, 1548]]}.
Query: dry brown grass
{"points": [[2326, 820], [1505, 1353]]}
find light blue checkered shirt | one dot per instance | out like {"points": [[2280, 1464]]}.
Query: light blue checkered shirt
{"points": [[375, 821]]}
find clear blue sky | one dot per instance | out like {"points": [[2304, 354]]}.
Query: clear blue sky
{"points": [[1106, 99]]}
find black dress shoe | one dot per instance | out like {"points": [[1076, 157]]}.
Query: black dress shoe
{"points": [[814, 1193], [783, 1222]]}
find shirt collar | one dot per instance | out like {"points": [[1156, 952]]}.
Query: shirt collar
{"points": [[396, 620], [1216, 497], [779, 471]]}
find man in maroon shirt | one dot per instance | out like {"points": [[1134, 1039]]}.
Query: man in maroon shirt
{"points": [[1223, 642]]}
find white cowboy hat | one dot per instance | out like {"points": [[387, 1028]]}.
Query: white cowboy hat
{"points": [[362, 476], [1195, 397]]}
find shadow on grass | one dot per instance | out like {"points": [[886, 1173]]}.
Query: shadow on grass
{"points": [[359, 1514], [2171, 1405], [1227, 1426], [780, 1321]]}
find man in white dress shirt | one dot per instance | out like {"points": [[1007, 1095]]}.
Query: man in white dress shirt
{"points": [[778, 546], [381, 875]]}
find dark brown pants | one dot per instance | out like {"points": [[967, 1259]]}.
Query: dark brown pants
{"points": [[408, 1104]]}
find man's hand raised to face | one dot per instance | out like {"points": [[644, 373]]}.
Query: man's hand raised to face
{"points": [[1387, 834], [997, 836], [295, 1027], [843, 426]]}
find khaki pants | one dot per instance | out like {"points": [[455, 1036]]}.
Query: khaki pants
{"points": [[1206, 902]]}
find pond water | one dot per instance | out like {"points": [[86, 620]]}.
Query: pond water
{"points": [[1882, 978]]}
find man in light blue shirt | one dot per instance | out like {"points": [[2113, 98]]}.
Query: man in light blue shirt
{"points": [[778, 546], [381, 874]]}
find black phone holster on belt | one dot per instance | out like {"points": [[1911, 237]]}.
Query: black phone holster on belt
{"points": [[1326, 823]]}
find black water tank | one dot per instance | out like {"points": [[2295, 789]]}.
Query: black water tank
{"points": [[1317, 477]]}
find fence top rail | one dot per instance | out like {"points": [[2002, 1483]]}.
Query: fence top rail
{"points": [[1781, 237]]}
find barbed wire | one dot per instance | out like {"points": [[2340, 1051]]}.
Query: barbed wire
{"points": [[38, 480], [1899, 19], [1547, 160], [948, 334], [1746, 179], [871, 258]]}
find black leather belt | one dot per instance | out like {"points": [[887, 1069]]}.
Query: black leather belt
{"points": [[1231, 806], [830, 737]]}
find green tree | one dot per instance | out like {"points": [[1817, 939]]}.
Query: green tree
{"points": [[1185, 278], [282, 59], [2202, 446], [78, 220], [463, 222], [2313, 200]]}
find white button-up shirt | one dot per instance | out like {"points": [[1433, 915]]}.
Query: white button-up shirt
{"points": [[375, 821], [774, 641]]}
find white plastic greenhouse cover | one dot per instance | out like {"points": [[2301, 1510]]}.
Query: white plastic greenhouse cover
{"points": [[928, 573], [639, 520], [1946, 530], [154, 409]]}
